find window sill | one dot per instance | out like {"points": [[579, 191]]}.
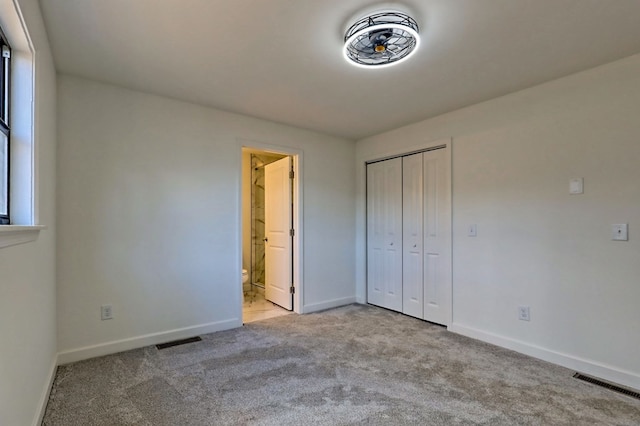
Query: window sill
{"points": [[10, 235]]}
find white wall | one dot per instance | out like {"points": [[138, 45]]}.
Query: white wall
{"points": [[27, 271], [149, 216], [537, 245]]}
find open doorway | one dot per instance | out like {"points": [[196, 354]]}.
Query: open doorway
{"points": [[269, 216]]}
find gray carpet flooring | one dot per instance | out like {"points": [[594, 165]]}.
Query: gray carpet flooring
{"points": [[353, 365]]}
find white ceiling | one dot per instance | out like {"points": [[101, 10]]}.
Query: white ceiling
{"points": [[282, 60]]}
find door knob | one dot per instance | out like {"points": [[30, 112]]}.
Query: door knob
{"points": [[266, 240]]}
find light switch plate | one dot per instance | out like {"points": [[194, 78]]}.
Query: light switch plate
{"points": [[472, 231], [620, 232], [576, 186], [523, 313], [106, 312]]}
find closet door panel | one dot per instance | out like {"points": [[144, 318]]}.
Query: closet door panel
{"points": [[375, 234], [432, 296], [384, 234], [437, 232], [412, 200]]}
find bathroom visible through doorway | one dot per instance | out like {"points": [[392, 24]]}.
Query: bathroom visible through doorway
{"points": [[269, 214]]}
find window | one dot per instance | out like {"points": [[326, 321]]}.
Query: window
{"points": [[18, 185], [4, 129]]}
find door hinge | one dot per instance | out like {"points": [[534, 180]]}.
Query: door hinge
{"points": [[292, 290], [291, 174], [292, 232], [6, 52]]}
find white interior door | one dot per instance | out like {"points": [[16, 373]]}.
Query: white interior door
{"points": [[384, 234], [277, 226], [412, 236], [437, 236]]}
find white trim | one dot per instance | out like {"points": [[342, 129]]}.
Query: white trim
{"points": [[44, 398], [329, 304], [11, 235], [395, 152], [581, 365], [14, 26], [450, 177], [116, 346], [298, 224], [298, 250]]}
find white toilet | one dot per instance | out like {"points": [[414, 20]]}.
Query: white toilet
{"points": [[245, 277]]}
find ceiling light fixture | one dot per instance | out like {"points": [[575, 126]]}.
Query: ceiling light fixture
{"points": [[381, 39]]}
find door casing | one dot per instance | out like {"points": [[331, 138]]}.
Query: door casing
{"points": [[298, 225]]}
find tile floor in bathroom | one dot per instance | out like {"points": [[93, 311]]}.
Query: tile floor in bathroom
{"points": [[255, 307]]}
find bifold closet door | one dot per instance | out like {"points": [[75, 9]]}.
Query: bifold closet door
{"points": [[437, 236], [412, 236], [384, 234]]}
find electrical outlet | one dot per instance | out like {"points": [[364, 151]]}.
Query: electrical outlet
{"points": [[619, 232], [106, 312], [523, 313], [576, 186]]}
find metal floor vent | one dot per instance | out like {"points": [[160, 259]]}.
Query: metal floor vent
{"points": [[616, 388], [178, 342]]}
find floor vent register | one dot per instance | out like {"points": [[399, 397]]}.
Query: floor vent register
{"points": [[610, 386], [178, 342]]}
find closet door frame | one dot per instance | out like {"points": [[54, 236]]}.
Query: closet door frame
{"points": [[447, 145]]}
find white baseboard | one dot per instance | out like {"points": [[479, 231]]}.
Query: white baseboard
{"points": [[609, 373], [108, 348], [44, 398], [315, 307]]}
